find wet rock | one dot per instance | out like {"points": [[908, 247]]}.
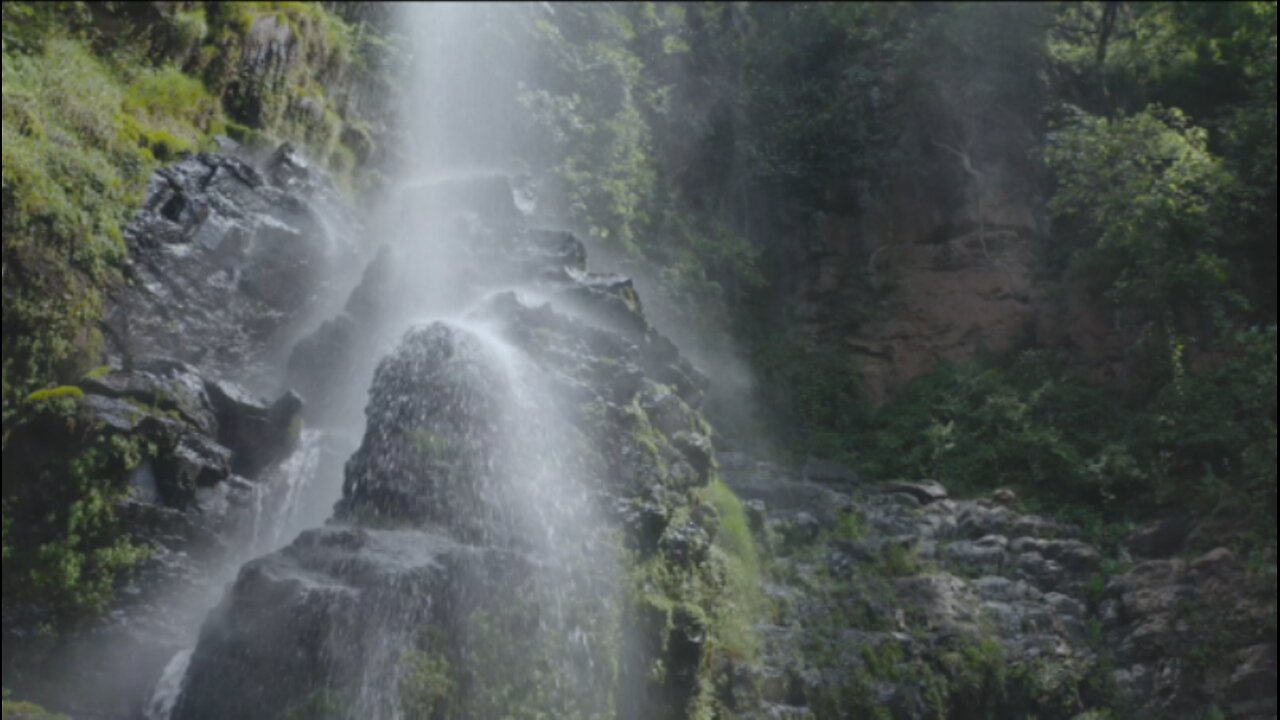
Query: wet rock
{"points": [[257, 433], [317, 615], [163, 384], [697, 448], [320, 360], [926, 491], [193, 462], [220, 264], [829, 472], [370, 300], [1160, 538], [430, 433], [180, 501], [685, 544]]}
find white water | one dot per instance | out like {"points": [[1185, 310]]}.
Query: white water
{"points": [[165, 697], [458, 111], [282, 489], [277, 498]]}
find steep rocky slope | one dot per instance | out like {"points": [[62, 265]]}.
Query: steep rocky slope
{"points": [[895, 600], [435, 591], [143, 484]]}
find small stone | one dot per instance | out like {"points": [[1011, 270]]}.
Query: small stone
{"points": [[830, 472], [926, 491]]}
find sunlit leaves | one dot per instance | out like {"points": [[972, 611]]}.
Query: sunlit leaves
{"points": [[1143, 201]]}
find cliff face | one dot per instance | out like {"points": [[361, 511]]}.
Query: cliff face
{"points": [[133, 492], [945, 268]]}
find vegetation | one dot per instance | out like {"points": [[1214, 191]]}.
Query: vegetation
{"points": [[71, 548], [743, 603], [18, 710], [710, 143], [88, 115]]}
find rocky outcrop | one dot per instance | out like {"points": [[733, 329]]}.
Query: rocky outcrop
{"points": [[1193, 632], [167, 454], [224, 259], [543, 453], [179, 456], [893, 597]]}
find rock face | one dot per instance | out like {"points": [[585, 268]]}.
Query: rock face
{"points": [[893, 598], [521, 529], [182, 454], [1188, 634], [224, 259]]}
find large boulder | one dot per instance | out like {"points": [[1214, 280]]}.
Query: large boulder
{"points": [[431, 438]]}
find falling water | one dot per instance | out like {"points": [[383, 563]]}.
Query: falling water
{"points": [[160, 707], [278, 496], [536, 491], [276, 501]]}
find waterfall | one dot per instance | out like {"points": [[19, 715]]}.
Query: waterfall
{"points": [[276, 509], [511, 444], [275, 501], [160, 707]]}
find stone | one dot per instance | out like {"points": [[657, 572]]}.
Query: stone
{"points": [[697, 449], [257, 433], [926, 491], [829, 472], [221, 264], [163, 384]]}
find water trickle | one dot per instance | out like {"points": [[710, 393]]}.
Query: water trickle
{"points": [[162, 702], [281, 492]]}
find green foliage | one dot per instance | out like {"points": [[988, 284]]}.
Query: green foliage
{"points": [[602, 102], [70, 183], [980, 428], [62, 391], [1214, 432], [19, 710], [899, 560], [88, 115], [1145, 200], [849, 526], [742, 607], [70, 549], [517, 656], [428, 689], [1093, 457]]}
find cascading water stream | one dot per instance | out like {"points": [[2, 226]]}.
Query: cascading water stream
{"points": [[275, 520], [534, 500]]}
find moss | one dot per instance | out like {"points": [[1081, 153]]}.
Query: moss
{"points": [[518, 656], [62, 391], [428, 687], [735, 612], [69, 182], [96, 373], [19, 710], [899, 560], [319, 704], [849, 526], [192, 25]]}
